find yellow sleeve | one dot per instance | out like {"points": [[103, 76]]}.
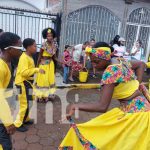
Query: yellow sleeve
{"points": [[148, 64], [26, 71], [29, 72], [5, 113]]}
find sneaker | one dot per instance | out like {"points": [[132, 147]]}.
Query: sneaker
{"points": [[30, 122], [22, 129]]}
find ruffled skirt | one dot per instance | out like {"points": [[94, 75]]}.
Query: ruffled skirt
{"points": [[45, 83], [124, 128]]}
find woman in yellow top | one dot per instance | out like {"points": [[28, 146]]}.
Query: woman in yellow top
{"points": [[124, 128], [9, 44], [46, 82]]}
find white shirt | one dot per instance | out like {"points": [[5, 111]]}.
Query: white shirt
{"points": [[77, 52], [138, 54], [120, 50]]}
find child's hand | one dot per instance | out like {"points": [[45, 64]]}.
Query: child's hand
{"points": [[42, 71]]}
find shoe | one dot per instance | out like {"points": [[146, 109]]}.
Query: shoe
{"points": [[52, 96], [30, 122], [71, 80], [94, 76], [22, 129], [65, 82]]}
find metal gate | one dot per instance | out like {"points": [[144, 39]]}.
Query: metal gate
{"points": [[27, 24], [91, 22], [138, 28]]}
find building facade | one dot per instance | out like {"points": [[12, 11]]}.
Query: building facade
{"points": [[103, 19], [26, 18], [85, 19]]}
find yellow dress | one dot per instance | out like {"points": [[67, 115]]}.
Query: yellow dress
{"points": [[124, 128], [46, 82]]}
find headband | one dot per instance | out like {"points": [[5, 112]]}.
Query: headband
{"points": [[100, 52]]}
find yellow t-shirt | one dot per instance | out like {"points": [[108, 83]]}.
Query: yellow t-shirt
{"points": [[26, 69], [5, 76]]}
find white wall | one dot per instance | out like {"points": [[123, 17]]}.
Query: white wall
{"points": [[24, 4], [25, 27], [40, 4]]}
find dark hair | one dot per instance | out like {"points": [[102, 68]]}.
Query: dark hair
{"points": [[44, 33], [28, 42], [103, 44], [67, 46], [1, 30], [92, 40], [8, 39], [116, 40], [87, 42], [140, 42]]}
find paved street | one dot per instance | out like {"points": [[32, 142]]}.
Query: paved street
{"points": [[42, 136]]}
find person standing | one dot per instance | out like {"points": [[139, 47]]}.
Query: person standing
{"points": [[119, 48], [78, 58], [92, 43], [67, 62], [137, 51], [10, 45], [45, 83], [24, 83]]}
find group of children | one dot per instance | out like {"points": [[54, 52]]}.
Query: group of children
{"points": [[43, 84], [75, 59]]}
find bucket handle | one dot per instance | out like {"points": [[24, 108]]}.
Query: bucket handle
{"points": [[85, 69]]}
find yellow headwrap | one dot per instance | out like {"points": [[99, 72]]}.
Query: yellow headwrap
{"points": [[100, 52]]}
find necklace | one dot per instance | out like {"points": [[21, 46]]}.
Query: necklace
{"points": [[49, 49]]}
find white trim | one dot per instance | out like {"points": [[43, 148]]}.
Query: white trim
{"points": [[148, 49]]}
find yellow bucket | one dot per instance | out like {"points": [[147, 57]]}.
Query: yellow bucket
{"points": [[83, 75]]}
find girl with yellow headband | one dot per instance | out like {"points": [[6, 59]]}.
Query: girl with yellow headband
{"points": [[123, 128], [45, 83]]}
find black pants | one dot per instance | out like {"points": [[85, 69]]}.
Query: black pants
{"points": [[5, 139]]}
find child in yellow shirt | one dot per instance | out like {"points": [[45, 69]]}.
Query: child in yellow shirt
{"points": [[23, 81]]}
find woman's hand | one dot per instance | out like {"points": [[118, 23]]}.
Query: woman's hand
{"points": [[71, 112]]}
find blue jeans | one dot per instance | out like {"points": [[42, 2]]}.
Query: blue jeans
{"points": [[66, 73]]}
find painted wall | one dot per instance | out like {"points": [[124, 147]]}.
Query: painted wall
{"points": [[24, 4]]}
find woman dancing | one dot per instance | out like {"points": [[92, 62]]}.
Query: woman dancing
{"points": [[124, 128]]}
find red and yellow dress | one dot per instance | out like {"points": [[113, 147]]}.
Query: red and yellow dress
{"points": [[124, 128]]}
